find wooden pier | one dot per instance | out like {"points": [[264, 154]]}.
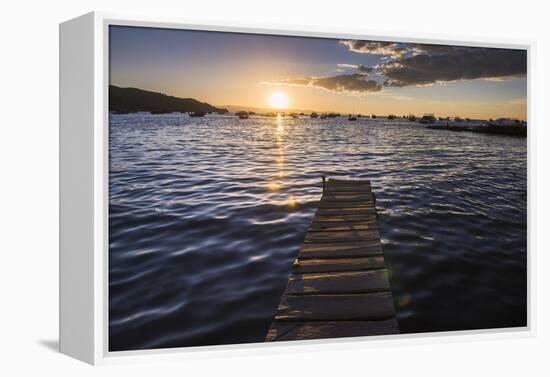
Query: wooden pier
{"points": [[339, 283]]}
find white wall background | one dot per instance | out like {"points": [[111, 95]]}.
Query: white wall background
{"points": [[29, 185]]}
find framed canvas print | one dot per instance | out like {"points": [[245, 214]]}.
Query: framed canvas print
{"points": [[238, 187]]}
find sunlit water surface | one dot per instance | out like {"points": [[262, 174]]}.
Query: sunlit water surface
{"points": [[207, 215]]}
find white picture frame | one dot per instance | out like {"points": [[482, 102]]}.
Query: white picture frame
{"points": [[84, 191]]}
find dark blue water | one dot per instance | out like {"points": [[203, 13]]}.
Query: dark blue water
{"points": [[207, 215]]}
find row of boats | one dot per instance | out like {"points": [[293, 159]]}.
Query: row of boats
{"points": [[425, 119]]}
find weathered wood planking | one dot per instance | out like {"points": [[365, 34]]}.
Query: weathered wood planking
{"points": [[339, 285]]}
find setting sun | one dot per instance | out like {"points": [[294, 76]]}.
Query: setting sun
{"points": [[278, 100]]}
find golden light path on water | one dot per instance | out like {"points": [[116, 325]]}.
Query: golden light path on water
{"points": [[277, 183]]}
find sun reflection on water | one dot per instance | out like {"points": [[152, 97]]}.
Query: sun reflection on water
{"points": [[277, 183]]}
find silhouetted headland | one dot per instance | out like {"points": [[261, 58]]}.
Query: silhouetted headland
{"points": [[130, 100]]}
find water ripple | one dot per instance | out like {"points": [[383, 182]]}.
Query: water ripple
{"points": [[206, 216]]}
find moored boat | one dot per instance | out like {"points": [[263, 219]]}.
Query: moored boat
{"points": [[427, 119]]}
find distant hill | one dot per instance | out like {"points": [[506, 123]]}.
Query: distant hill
{"points": [[133, 100]]}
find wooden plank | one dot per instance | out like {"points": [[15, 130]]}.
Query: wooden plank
{"points": [[342, 235], [337, 264], [349, 181], [330, 329], [346, 197], [331, 205], [340, 246], [345, 212], [347, 190], [342, 187], [351, 253], [340, 225], [344, 207], [336, 307], [345, 218], [317, 251], [338, 282]]}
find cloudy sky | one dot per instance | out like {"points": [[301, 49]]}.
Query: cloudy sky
{"points": [[322, 74]]}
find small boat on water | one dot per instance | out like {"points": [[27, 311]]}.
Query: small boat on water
{"points": [[505, 122], [391, 117], [314, 115], [351, 117], [294, 115], [323, 116], [243, 116], [427, 119], [411, 118], [196, 114], [373, 116]]}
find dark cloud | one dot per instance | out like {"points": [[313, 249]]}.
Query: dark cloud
{"points": [[356, 82], [416, 49], [347, 83], [424, 64], [359, 67], [451, 64], [364, 69], [374, 47]]}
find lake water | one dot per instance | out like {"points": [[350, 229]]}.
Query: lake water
{"points": [[207, 215]]}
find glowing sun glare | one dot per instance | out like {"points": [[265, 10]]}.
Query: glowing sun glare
{"points": [[278, 100]]}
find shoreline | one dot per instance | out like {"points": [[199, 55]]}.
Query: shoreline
{"points": [[491, 128]]}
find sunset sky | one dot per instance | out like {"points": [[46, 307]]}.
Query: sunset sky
{"points": [[347, 76]]}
